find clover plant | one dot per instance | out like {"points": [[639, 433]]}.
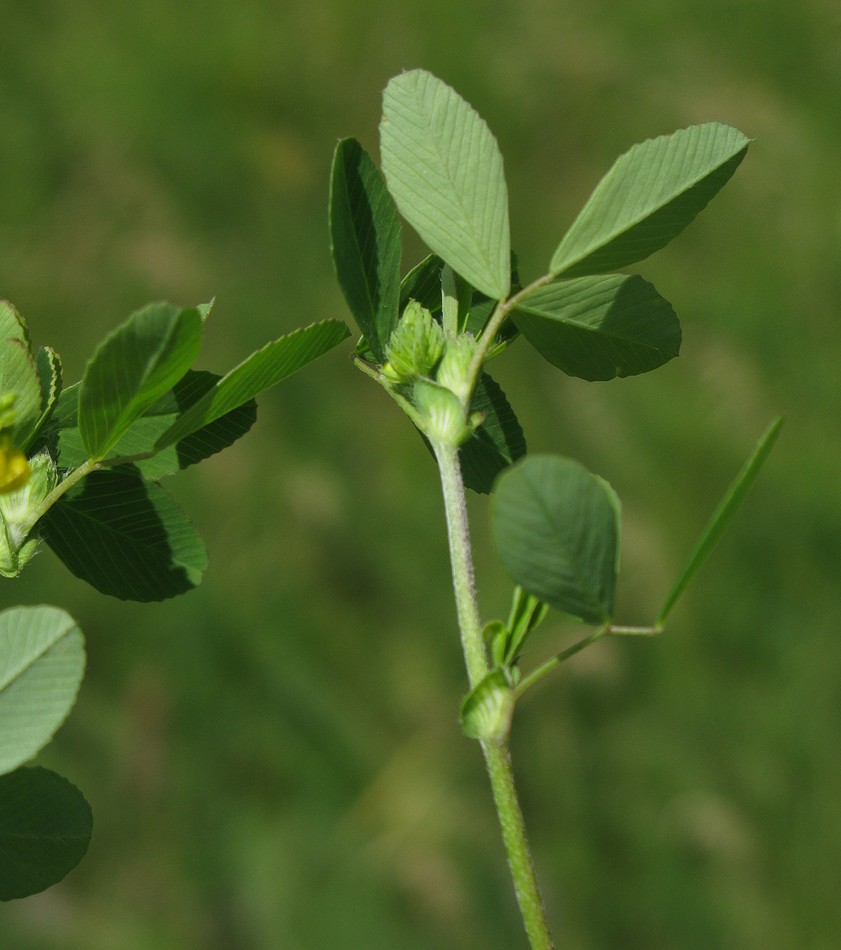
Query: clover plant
{"points": [[428, 334], [81, 466], [81, 470]]}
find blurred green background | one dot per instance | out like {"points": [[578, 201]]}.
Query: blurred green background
{"points": [[274, 759]]}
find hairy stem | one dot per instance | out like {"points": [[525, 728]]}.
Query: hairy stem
{"points": [[461, 559], [497, 755], [501, 773]]}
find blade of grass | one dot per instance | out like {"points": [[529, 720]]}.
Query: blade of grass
{"points": [[722, 516]]}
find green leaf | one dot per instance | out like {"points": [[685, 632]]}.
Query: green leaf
{"points": [[556, 527], [527, 613], [506, 640], [600, 327], [19, 374], [648, 197], [126, 537], [42, 661], [260, 371], [145, 431], [456, 298], [366, 243], [12, 326], [423, 284], [444, 169], [139, 362], [204, 442], [71, 451], [482, 307], [48, 366], [487, 709], [45, 830], [495, 635], [722, 516], [497, 442]]}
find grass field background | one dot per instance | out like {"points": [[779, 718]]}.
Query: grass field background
{"points": [[274, 760]]}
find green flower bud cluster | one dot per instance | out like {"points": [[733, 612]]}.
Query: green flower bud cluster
{"points": [[415, 346], [18, 542], [436, 365]]}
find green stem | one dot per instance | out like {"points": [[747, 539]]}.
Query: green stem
{"points": [[75, 476], [493, 326], [498, 762], [549, 665], [461, 559], [401, 400], [635, 631], [608, 629], [69, 480], [497, 755]]}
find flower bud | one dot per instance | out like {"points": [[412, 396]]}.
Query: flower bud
{"points": [[415, 345], [454, 370], [442, 413], [18, 539]]}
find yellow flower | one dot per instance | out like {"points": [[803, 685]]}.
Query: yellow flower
{"points": [[14, 468]]}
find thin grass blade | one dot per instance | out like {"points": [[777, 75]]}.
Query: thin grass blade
{"points": [[722, 516]]}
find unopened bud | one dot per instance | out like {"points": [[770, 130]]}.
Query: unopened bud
{"points": [[454, 371], [415, 345], [18, 539], [442, 412]]}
